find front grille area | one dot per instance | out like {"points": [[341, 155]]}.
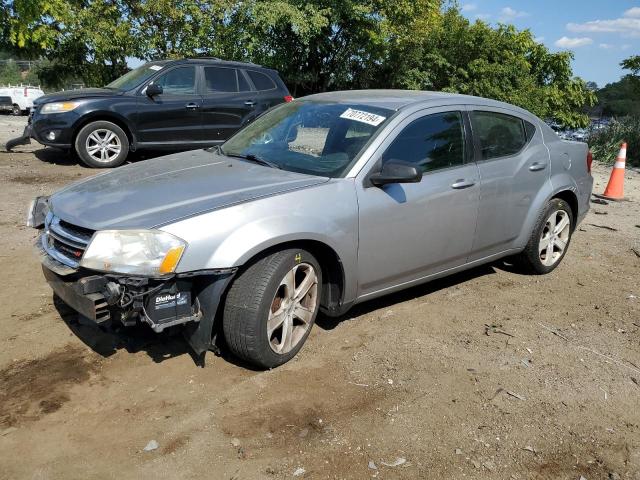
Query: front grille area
{"points": [[64, 242]]}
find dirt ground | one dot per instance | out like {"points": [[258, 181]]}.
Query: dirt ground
{"points": [[486, 374]]}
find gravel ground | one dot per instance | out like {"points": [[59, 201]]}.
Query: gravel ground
{"points": [[486, 374]]}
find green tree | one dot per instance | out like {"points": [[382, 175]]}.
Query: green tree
{"points": [[632, 63], [502, 63], [10, 73], [86, 38], [316, 45]]}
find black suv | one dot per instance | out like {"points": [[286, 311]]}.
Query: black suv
{"points": [[166, 104]]}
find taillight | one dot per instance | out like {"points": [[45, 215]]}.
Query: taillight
{"points": [[589, 161], [288, 98], [25, 92]]}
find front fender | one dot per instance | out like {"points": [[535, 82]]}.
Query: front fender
{"points": [[121, 111], [251, 239], [230, 237]]}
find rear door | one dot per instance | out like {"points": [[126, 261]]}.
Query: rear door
{"points": [[514, 165], [228, 102], [268, 92], [175, 116]]}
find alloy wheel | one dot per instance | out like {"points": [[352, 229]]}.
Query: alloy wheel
{"points": [[103, 145], [554, 238], [292, 308]]}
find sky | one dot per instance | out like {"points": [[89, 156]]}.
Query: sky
{"points": [[600, 33]]}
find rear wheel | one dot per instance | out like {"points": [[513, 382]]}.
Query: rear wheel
{"points": [[15, 110], [102, 144], [550, 238], [272, 306]]}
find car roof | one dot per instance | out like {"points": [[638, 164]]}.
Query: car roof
{"points": [[399, 99]]}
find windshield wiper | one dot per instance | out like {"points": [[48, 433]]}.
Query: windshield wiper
{"points": [[251, 157]]}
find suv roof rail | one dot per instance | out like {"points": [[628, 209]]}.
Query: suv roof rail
{"points": [[204, 57], [237, 62]]}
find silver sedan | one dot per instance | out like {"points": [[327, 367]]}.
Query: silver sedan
{"points": [[319, 204]]}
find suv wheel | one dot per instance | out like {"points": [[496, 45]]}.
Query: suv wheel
{"points": [[15, 110], [271, 307], [102, 144], [550, 238]]}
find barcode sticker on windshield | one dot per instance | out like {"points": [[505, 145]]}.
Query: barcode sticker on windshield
{"points": [[156, 67], [364, 117]]}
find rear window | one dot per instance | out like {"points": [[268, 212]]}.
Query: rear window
{"points": [[499, 134], [261, 81], [218, 79]]}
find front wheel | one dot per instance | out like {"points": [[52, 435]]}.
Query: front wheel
{"points": [[550, 238], [102, 144], [15, 110], [271, 307]]}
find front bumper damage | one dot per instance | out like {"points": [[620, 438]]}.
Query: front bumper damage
{"points": [[188, 301]]}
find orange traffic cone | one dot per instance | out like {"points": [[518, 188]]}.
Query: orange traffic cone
{"points": [[614, 190]]}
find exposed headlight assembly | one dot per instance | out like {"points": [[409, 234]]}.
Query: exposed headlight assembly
{"points": [[149, 253], [38, 209], [59, 107]]}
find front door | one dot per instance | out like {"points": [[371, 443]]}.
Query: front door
{"points": [[228, 103], [175, 116], [514, 165], [411, 231]]}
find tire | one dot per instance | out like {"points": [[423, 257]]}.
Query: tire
{"points": [[102, 144], [15, 110], [261, 294], [536, 258]]}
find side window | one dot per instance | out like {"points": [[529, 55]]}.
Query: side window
{"points": [[531, 130], [261, 81], [179, 81], [218, 79], [431, 142], [500, 135]]}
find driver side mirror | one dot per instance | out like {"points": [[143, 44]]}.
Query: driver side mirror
{"points": [[153, 90], [396, 171]]}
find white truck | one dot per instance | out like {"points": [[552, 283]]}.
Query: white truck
{"points": [[22, 97]]}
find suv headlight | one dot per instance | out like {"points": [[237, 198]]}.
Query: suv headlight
{"points": [[137, 252], [59, 107]]}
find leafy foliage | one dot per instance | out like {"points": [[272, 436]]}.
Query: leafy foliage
{"points": [[501, 63], [316, 45], [10, 73], [605, 143], [620, 99]]}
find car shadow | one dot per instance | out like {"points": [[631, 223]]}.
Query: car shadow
{"points": [[386, 301], [58, 156], [106, 340]]}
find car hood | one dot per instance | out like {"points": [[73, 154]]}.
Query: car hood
{"points": [[156, 192], [76, 94]]}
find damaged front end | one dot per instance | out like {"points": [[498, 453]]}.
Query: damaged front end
{"points": [[161, 301]]}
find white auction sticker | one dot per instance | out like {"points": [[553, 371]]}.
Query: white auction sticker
{"points": [[155, 67], [364, 117]]}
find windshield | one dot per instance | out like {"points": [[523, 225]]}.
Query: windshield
{"points": [[136, 76], [316, 138]]}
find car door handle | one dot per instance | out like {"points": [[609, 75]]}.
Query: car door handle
{"points": [[462, 183], [250, 103], [192, 106], [535, 167]]}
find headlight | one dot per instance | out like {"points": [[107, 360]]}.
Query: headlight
{"points": [[59, 107], [38, 209], [138, 252]]}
